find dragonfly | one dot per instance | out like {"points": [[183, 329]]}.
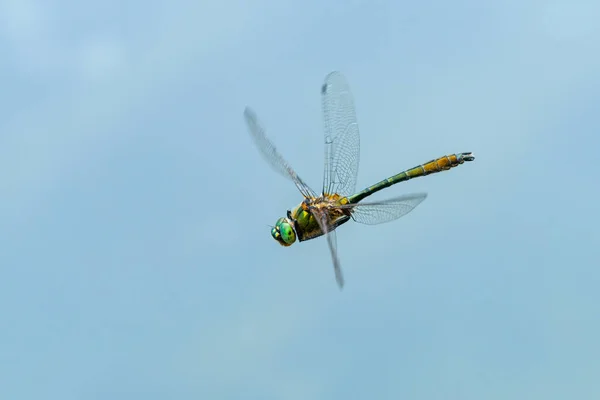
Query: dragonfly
{"points": [[339, 202]]}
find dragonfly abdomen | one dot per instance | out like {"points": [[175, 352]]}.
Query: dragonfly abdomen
{"points": [[439, 164], [431, 167]]}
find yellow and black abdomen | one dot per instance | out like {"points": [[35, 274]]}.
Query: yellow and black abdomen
{"points": [[439, 164], [431, 167]]}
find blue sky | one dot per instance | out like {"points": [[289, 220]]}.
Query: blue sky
{"points": [[136, 260]]}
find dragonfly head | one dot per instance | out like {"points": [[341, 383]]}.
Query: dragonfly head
{"points": [[284, 232]]}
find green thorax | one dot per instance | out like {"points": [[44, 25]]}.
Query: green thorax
{"points": [[306, 225]]}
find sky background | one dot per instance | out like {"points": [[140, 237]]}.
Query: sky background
{"points": [[136, 261]]}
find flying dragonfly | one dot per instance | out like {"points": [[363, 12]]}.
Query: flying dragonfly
{"points": [[321, 214]]}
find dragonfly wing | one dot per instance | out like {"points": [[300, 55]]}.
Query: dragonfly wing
{"points": [[342, 138], [373, 213], [270, 153], [330, 235]]}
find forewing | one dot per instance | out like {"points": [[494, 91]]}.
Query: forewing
{"points": [[342, 139], [330, 235], [270, 153], [373, 213]]}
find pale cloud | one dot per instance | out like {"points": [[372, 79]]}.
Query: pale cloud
{"points": [[22, 21], [570, 21], [32, 32], [26, 29], [40, 144], [101, 57]]}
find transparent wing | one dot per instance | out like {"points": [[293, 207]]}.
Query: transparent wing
{"points": [[270, 153], [342, 139], [330, 235], [373, 213]]}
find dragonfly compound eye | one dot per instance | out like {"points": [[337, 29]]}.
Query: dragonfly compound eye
{"points": [[283, 232], [287, 233]]}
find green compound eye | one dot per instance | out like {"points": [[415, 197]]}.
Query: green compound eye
{"points": [[283, 232], [287, 233]]}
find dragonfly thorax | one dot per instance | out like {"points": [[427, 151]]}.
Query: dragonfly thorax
{"points": [[284, 232]]}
